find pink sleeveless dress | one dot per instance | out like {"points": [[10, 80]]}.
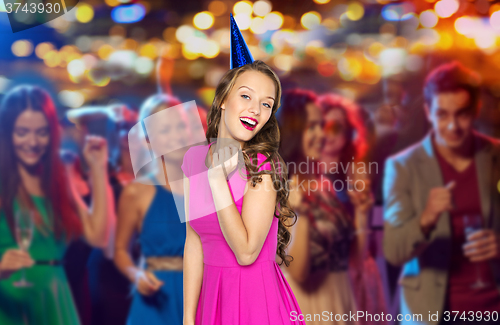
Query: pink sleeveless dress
{"points": [[232, 294]]}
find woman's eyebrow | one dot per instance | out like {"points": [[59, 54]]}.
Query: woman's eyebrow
{"points": [[21, 128], [254, 91], [24, 128], [247, 87]]}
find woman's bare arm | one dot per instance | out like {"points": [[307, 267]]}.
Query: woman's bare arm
{"points": [[129, 218], [299, 268], [245, 233], [363, 203], [193, 265], [100, 218]]}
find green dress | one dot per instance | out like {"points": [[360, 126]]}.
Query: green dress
{"points": [[49, 300]]}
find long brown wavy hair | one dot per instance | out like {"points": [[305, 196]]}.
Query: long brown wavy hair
{"points": [[265, 142]]}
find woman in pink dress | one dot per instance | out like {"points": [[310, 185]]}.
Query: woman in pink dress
{"points": [[236, 222]]}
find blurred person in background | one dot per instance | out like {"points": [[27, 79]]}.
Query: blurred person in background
{"points": [[33, 180], [442, 208], [399, 123], [78, 251], [108, 288], [326, 236], [346, 144], [150, 211]]}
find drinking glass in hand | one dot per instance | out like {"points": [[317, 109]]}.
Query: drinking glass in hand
{"points": [[473, 223], [24, 234]]}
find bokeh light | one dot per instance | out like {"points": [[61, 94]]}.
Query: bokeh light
{"points": [[84, 12], [349, 68], [262, 8], [244, 20], [310, 20], [243, 7], [375, 48], [188, 53], [428, 18], [72, 99], [43, 48], [445, 41], [355, 11], [273, 20], [485, 40], [203, 20], [321, 2], [464, 25], [211, 49], [184, 32], [397, 11], [52, 59], [446, 8], [128, 14], [143, 65], [112, 3], [217, 8], [148, 50], [76, 68], [283, 62], [105, 51], [495, 20], [22, 48], [257, 26], [326, 68]]}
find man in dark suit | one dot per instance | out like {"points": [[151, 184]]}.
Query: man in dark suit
{"points": [[433, 193]]}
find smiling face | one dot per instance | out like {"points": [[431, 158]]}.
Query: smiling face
{"points": [[30, 137], [313, 138], [451, 117], [247, 107]]}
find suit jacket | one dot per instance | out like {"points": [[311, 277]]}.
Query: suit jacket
{"points": [[409, 177]]}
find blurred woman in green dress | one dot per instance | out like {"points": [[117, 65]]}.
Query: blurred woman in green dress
{"points": [[33, 178]]}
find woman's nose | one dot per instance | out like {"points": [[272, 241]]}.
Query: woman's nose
{"points": [[32, 140], [255, 108]]}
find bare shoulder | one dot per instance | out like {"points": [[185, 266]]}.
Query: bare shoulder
{"points": [[295, 195], [136, 191]]}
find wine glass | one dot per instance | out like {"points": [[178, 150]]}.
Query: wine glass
{"points": [[473, 223], [24, 234]]}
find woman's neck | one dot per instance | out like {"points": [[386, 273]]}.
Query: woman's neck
{"points": [[224, 137], [30, 179], [170, 177]]}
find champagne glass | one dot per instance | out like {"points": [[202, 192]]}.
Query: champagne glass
{"points": [[24, 234], [473, 223]]}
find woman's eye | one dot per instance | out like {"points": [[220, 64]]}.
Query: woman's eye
{"points": [[267, 105], [21, 133], [245, 96]]}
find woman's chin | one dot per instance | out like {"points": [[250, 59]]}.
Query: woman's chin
{"points": [[244, 136], [29, 162]]}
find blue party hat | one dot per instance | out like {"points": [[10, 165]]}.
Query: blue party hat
{"points": [[240, 55]]}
